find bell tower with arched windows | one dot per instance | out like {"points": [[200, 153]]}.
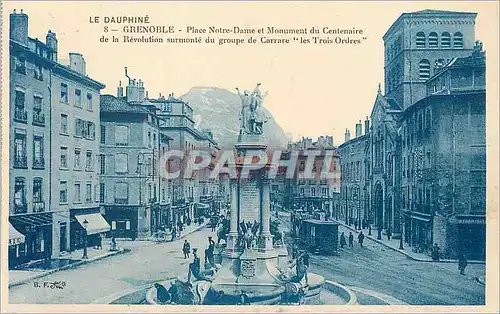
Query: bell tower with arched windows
{"points": [[418, 44]]}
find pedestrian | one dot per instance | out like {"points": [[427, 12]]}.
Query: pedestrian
{"points": [[209, 252], [174, 233], [462, 263], [389, 233], [435, 252], [351, 240], [342, 240], [113, 244], [186, 248], [356, 224], [361, 237], [99, 242]]}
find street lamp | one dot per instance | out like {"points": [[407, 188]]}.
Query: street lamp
{"points": [[402, 229], [85, 256]]}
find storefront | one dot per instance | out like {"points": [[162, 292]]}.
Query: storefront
{"points": [[30, 238], [123, 220], [86, 226]]}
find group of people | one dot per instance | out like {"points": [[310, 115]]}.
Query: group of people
{"points": [[361, 238]]}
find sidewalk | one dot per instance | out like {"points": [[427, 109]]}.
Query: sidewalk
{"points": [[44, 268], [393, 244]]}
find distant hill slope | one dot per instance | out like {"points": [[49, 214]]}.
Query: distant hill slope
{"points": [[218, 109]]}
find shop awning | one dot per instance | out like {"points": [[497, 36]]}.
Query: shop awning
{"points": [[95, 223], [32, 220], [15, 237]]}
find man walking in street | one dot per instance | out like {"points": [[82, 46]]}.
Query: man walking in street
{"points": [[186, 248], [462, 263], [389, 233], [356, 224], [361, 237], [342, 241], [173, 233], [351, 240]]}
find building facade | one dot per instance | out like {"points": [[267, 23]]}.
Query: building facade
{"points": [[134, 195], [317, 194], [425, 152], [52, 106], [30, 210]]}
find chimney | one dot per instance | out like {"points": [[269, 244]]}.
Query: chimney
{"points": [[119, 90], [358, 128], [77, 62], [51, 41], [347, 135], [19, 27], [367, 125], [141, 90]]}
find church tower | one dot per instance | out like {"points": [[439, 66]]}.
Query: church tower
{"points": [[418, 44]]}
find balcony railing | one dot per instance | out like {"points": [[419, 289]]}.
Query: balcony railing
{"points": [[39, 163], [38, 118], [20, 208], [122, 201], [20, 115], [38, 206], [21, 162]]}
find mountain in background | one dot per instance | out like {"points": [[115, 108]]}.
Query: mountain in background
{"points": [[218, 110]]}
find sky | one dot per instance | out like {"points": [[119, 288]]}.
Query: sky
{"points": [[313, 89]]}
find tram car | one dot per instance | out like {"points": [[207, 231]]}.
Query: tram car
{"points": [[319, 236]]}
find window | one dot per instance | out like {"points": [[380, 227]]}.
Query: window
{"points": [[88, 193], [64, 93], [121, 163], [79, 127], [64, 158], [113, 225], [37, 195], [325, 191], [20, 158], [89, 101], [433, 40], [78, 98], [102, 164], [301, 191], [21, 65], [420, 42], [121, 135], [38, 74], [64, 124], [78, 196], [63, 192], [445, 40], [167, 107], [103, 134], [88, 161], [121, 193], [313, 191], [458, 40], [78, 163], [20, 204], [89, 132], [38, 116], [478, 199], [102, 189], [424, 69], [149, 139], [38, 160], [20, 113]]}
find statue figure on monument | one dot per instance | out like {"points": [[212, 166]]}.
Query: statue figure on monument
{"points": [[251, 116], [246, 100]]}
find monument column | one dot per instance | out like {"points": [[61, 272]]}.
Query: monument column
{"points": [[233, 226], [266, 237]]}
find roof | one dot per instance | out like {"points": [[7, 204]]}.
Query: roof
{"points": [[321, 222], [426, 14], [386, 102], [110, 103], [476, 59]]}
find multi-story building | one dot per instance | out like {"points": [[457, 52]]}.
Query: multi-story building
{"points": [[353, 164], [312, 194], [30, 211], [47, 100], [198, 193], [443, 147], [134, 195], [75, 147], [425, 164]]}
